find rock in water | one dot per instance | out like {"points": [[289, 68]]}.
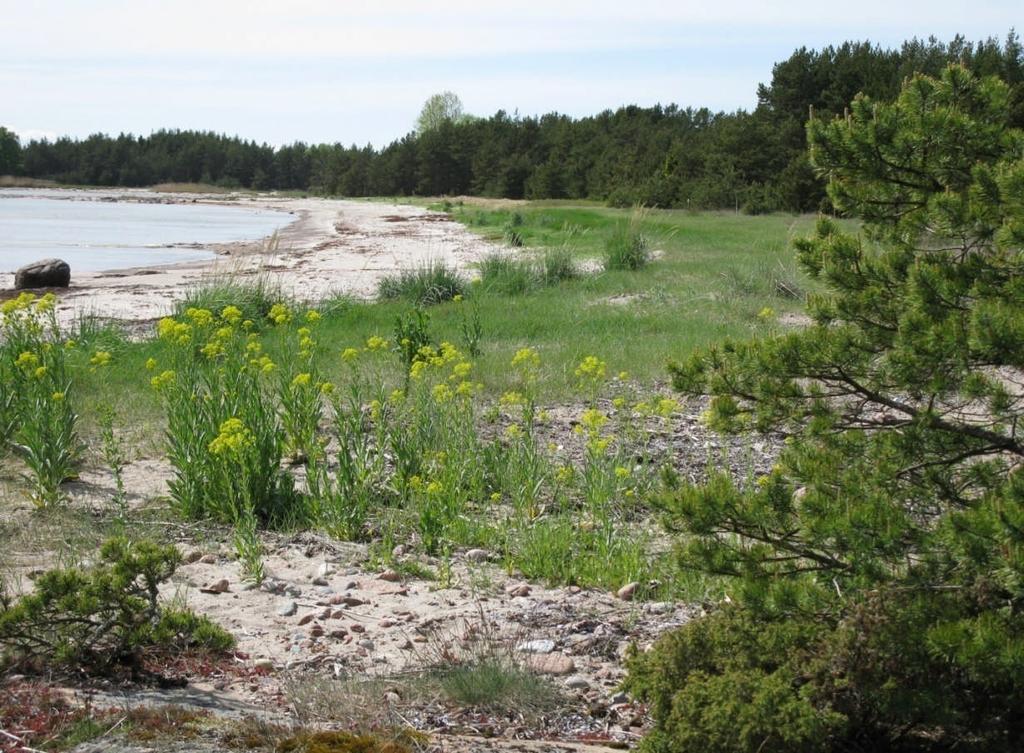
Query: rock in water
{"points": [[48, 273]]}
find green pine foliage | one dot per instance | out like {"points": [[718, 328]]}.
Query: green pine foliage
{"points": [[105, 615], [877, 574]]}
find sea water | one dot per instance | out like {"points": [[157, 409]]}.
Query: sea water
{"points": [[95, 235]]}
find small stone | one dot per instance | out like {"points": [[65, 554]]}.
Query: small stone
{"points": [[318, 581], [293, 591], [352, 601], [390, 576], [551, 664], [288, 609], [325, 569], [391, 698], [357, 628], [324, 614], [339, 633], [619, 698], [386, 623], [337, 614], [193, 555], [577, 682], [628, 591], [518, 590], [208, 559], [544, 646], [307, 618], [366, 643], [264, 665], [406, 646], [217, 587], [399, 551], [477, 555], [316, 631]]}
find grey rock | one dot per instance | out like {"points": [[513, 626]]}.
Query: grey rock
{"points": [[46, 273], [477, 555], [577, 682], [288, 609]]}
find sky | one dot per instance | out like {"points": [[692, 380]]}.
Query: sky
{"points": [[358, 73]]}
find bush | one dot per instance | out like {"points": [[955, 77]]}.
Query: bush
{"points": [[425, 285], [37, 417], [106, 615], [224, 432], [557, 265]]}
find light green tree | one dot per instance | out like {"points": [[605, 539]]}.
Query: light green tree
{"points": [[439, 109]]}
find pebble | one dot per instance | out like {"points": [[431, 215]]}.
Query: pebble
{"points": [[325, 569], [519, 590], [208, 559], [366, 643], [544, 646], [217, 587], [316, 631], [339, 633], [551, 664], [264, 665], [577, 682], [391, 698], [619, 698], [288, 609], [307, 618], [628, 591], [390, 576], [319, 581], [192, 556], [355, 627], [293, 591], [477, 555], [352, 601]]}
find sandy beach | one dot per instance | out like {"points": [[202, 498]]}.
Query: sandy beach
{"points": [[332, 247]]}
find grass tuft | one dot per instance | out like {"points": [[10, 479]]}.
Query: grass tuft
{"points": [[428, 284]]}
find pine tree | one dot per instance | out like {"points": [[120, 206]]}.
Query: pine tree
{"points": [[877, 574]]}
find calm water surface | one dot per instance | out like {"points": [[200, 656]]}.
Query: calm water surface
{"points": [[93, 236]]}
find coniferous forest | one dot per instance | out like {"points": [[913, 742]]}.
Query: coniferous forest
{"points": [[662, 156]]}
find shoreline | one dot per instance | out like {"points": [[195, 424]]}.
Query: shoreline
{"points": [[332, 247]]}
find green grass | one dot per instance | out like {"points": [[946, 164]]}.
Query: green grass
{"points": [[713, 274]]}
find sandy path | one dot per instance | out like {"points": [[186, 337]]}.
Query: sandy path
{"points": [[333, 247]]}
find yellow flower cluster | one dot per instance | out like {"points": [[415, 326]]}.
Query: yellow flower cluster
{"points": [[231, 314], [591, 369], [301, 380], [232, 439], [172, 330], [162, 380], [25, 301], [376, 343], [100, 359], [279, 314]]}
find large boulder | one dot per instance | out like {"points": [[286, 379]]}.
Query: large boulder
{"points": [[47, 273]]}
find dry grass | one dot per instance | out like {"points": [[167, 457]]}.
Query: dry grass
{"points": [[189, 188], [16, 181]]}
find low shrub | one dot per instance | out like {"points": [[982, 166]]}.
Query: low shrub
{"points": [[105, 615], [557, 265]]}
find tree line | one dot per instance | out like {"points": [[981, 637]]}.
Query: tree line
{"points": [[666, 155]]}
